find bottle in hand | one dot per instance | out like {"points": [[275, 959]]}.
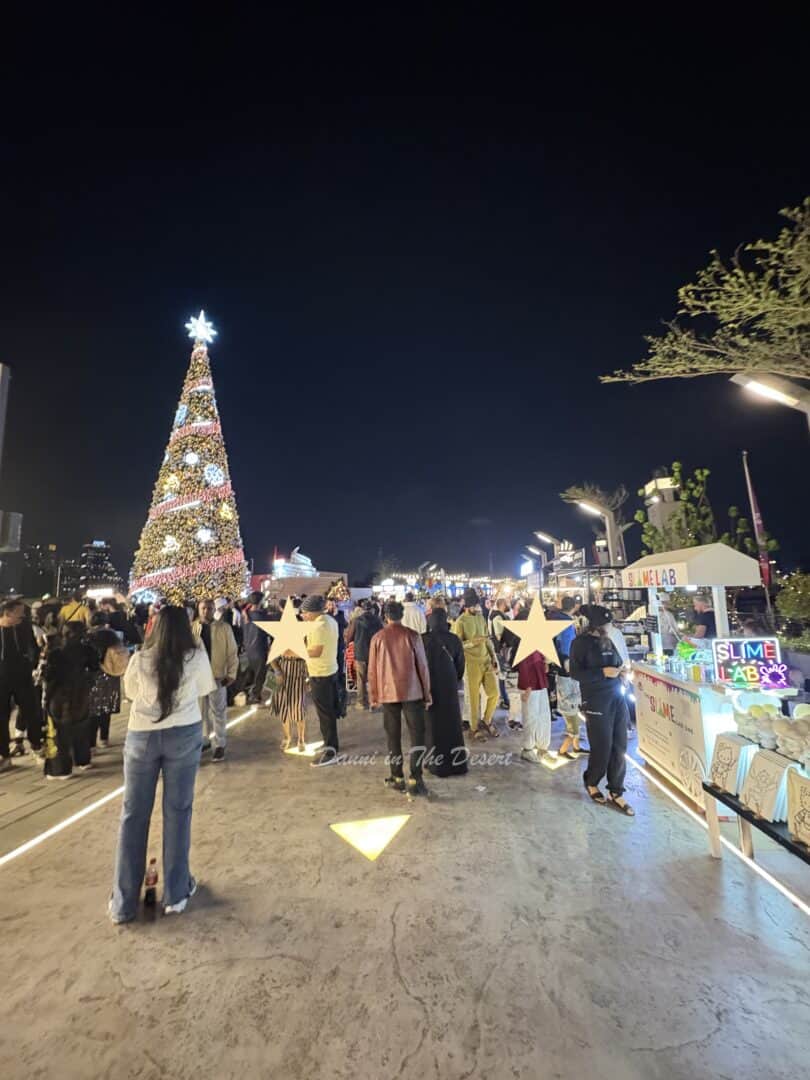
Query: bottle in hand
{"points": [[150, 884]]}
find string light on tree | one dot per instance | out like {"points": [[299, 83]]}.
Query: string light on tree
{"points": [[190, 546]]}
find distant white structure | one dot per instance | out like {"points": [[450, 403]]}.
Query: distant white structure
{"points": [[297, 565]]}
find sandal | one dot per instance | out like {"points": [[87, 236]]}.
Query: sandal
{"points": [[515, 725], [622, 805], [596, 796], [480, 735], [493, 731]]}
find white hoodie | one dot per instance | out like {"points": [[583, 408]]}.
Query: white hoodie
{"points": [[414, 617]]}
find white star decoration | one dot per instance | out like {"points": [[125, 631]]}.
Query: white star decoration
{"points": [[286, 634], [200, 329], [537, 633]]}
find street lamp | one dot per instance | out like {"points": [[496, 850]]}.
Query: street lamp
{"points": [[615, 542], [547, 538], [534, 550], [775, 388]]}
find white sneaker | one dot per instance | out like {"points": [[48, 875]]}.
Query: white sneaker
{"points": [[50, 776], [530, 755], [180, 906]]}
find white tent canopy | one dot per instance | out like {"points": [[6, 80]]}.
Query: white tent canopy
{"points": [[707, 565]]}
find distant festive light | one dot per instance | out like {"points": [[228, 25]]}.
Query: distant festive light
{"points": [[171, 543], [172, 482], [191, 458], [200, 329], [225, 512], [205, 536], [180, 415]]}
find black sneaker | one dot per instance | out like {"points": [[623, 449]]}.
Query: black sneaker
{"points": [[396, 783], [17, 750], [328, 757], [218, 754], [418, 787]]}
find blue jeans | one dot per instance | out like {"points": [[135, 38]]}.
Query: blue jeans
{"points": [[176, 753]]}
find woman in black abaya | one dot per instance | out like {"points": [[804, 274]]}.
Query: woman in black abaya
{"points": [[447, 753]]}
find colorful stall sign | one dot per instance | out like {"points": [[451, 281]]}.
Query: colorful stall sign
{"points": [[750, 663], [656, 577]]}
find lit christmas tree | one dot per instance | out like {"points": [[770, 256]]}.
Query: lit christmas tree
{"points": [[190, 547]]}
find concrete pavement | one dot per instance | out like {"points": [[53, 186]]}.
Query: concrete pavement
{"points": [[517, 931]]}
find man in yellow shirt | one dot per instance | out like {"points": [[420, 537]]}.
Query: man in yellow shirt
{"points": [[322, 666], [75, 610], [482, 664]]}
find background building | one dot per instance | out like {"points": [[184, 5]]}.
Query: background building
{"points": [[96, 570], [39, 570], [68, 576]]}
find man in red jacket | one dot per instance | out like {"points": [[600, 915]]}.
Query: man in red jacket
{"points": [[398, 679]]}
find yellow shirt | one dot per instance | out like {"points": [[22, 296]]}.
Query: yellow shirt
{"points": [[469, 626], [74, 611], [322, 631]]}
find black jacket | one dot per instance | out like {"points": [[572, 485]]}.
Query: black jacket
{"points": [[255, 641], [589, 655], [361, 631]]}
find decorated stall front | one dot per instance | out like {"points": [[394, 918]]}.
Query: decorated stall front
{"points": [[685, 700]]}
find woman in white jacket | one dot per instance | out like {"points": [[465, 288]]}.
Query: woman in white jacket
{"points": [[165, 682]]}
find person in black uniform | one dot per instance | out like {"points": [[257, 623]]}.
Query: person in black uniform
{"points": [[596, 665]]}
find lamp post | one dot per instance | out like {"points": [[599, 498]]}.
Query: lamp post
{"points": [[615, 540], [552, 541], [775, 388]]}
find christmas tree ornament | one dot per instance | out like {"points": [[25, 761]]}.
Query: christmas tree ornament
{"points": [[190, 549]]}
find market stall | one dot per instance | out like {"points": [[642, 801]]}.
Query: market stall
{"points": [[684, 701]]}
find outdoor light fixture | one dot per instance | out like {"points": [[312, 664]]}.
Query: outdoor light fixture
{"points": [[772, 393], [533, 550], [544, 538], [589, 508], [775, 388]]}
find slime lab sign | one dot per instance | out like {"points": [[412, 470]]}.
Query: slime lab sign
{"points": [[750, 663], [655, 577]]}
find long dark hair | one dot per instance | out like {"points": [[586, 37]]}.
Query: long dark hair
{"points": [[172, 642]]}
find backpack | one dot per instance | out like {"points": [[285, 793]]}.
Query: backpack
{"points": [[115, 661]]}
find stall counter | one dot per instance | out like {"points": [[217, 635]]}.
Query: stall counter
{"points": [[678, 722]]}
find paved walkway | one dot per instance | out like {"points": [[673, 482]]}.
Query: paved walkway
{"points": [[510, 929]]}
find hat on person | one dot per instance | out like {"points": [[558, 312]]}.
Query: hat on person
{"points": [[596, 615], [220, 603], [313, 603], [471, 598]]}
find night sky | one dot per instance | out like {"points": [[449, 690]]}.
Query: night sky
{"points": [[421, 241]]}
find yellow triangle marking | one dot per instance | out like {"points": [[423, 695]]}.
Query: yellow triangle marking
{"points": [[370, 837]]}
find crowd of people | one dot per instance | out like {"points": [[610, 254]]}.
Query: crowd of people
{"points": [[65, 668]]}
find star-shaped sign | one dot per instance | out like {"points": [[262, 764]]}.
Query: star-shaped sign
{"points": [[537, 633], [286, 634], [200, 329]]}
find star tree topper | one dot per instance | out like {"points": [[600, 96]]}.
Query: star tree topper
{"points": [[287, 634], [537, 633], [200, 329]]}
